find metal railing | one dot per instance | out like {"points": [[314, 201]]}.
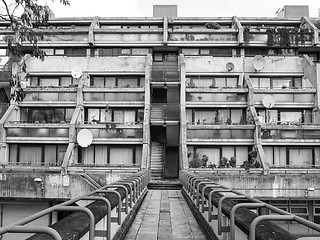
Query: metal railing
{"points": [[128, 191], [215, 203]]}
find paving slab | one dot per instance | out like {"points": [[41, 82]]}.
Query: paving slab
{"points": [[165, 215]]}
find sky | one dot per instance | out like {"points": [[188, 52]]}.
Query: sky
{"points": [[186, 8]]}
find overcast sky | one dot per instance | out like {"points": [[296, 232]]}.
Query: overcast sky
{"points": [[186, 8]]}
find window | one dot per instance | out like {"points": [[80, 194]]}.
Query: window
{"points": [[278, 82], [102, 115], [49, 154], [213, 82], [110, 155], [121, 82], [216, 116], [46, 115], [46, 81]]}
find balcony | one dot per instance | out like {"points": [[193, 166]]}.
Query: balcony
{"points": [[18, 132], [220, 134], [302, 134], [51, 94], [111, 132], [97, 65], [114, 96]]}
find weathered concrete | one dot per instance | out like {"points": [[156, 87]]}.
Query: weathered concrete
{"points": [[165, 216], [57, 64], [273, 185]]}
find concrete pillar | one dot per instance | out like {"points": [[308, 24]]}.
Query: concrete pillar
{"points": [[183, 121]]}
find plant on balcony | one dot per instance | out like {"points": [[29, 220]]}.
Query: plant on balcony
{"points": [[271, 35], [212, 25], [223, 163], [246, 35], [284, 35], [233, 162], [25, 30], [229, 121]]}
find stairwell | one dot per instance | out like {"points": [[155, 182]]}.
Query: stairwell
{"points": [[156, 165], [156, 113]]}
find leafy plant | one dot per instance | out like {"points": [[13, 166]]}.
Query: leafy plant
{"points": [[246, 35], [270, 36]]}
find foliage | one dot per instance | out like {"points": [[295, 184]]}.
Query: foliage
{"points": [[212, 25], [233, 162], [284, 34], [223, 163], [270, 36], [25, 17], [246, 35], [196, 162], [286, 37]]}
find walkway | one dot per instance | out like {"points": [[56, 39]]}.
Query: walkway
{"points": [[165, 215]]}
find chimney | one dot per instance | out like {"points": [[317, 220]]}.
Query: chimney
{"points": [[165, 11], [294, 11]]}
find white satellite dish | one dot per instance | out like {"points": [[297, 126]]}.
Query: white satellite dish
{"points": [[258, 62], [268, 101], [230, 66], [84, 138], [76, 72]]}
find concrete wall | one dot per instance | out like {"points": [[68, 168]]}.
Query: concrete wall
{"points": [[58, 65], [205, 64], [281, 185], [272, 65]]}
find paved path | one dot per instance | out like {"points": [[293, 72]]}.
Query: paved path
{"points": [[164, 215]]}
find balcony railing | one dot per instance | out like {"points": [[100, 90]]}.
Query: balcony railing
{"points": [[51, 96], [39, 132], [115, 130], [220, 134], [114, 96], [216, 97], [283, 134]]}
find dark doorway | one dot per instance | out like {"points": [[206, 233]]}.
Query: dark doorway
{"points": [[159, 95]]}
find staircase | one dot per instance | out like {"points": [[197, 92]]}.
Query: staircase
{"points": [[156, 165], [156, 113]]}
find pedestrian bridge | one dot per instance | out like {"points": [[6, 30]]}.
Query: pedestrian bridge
{"points": [[200, 209]]}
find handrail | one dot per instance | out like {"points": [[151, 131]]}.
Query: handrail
{"points": [[121, 188], [212, 194]]}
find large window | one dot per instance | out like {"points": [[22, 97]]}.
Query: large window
{"points": [[110, 155], [292, 156], [213, 82], [109, 52], [118, 115], [217, 116], [49, 154], [284, 116], [121, 82], [46, 115], [280, 82], [53, 81]]}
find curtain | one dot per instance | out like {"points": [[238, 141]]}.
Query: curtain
{"points": [[87, 155], [50, 155], [30, 154], [121, 155], [228, 152], [300, 157], [269, 155], [129, 116], [280, 156], [101, 155], [241, 154]]}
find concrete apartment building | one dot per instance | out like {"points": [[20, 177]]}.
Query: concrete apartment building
{"points": [[116, 95]]}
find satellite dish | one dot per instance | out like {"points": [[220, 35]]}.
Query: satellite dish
{"points": [[230, 66], [84, 138], [268, 101], [76, 72], [258, 62]]}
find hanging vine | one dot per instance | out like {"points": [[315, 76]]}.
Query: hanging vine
{"points": [[271, 35], [284, 37], [246, 35]]}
